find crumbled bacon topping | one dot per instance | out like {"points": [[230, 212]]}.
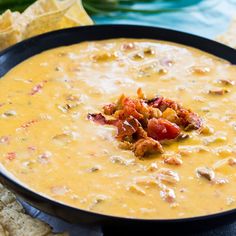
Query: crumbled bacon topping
{"points": [[28, 124], [144, 123], [11, 156], [37, 88]]}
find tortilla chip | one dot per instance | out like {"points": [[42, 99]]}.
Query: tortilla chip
{"points": [[50, 22], [41, 7], [77, 14], [41, 17], [7, 20], [229, 37], [9, 37]]}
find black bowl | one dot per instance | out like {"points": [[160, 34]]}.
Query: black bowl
{"points": [[18, 53]]}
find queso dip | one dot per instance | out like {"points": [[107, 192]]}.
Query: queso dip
{"points": [[48, 143]]}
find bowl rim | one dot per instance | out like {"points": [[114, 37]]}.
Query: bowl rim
{"points": [[42, 197]]}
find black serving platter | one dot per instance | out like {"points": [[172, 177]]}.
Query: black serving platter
{"points": [[117, 225]]}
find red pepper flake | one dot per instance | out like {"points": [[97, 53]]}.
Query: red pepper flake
{"points": [[32, 148], [37, 88], [29, 123], [44, 157], [11, 156]]}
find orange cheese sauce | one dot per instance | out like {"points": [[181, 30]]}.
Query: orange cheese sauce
{"points": [[47, 142]]}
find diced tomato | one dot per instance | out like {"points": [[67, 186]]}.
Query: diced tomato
{"points": [[160, 129]]}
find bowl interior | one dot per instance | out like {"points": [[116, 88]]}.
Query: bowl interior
{"points": [[21, 51]]}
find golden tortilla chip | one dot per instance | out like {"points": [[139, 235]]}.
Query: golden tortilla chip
{"points": [[9, 37], [7, 20], [42, 16], [44, 23], [77, 14], [41, 7]]}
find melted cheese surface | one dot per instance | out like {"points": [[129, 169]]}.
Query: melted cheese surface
{"points": [[47, 142]]}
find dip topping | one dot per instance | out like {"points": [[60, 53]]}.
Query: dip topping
{"points": [[143, 124]]}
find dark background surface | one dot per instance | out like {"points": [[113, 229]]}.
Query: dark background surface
{"points": [[80, 230]]}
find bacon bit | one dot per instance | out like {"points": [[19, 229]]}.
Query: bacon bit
{"points": [[168, 195], [147, 146], [72, 98], [170, 115], [141, 133], [29, 123], [44, 158], [128, 46], [185, 117], [206, 173], [226, 82], [109, 109], [11, 156], [127, 128], [218, 91], [37, 88], [4, 139], [168, 176], [2, 104], [98, 118], [140, 94], [32, 148], [200, 70], [125, 145], [129, 109], [232, 161], [173, 161], [143, 123], [155, 102], [189, 120]]}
